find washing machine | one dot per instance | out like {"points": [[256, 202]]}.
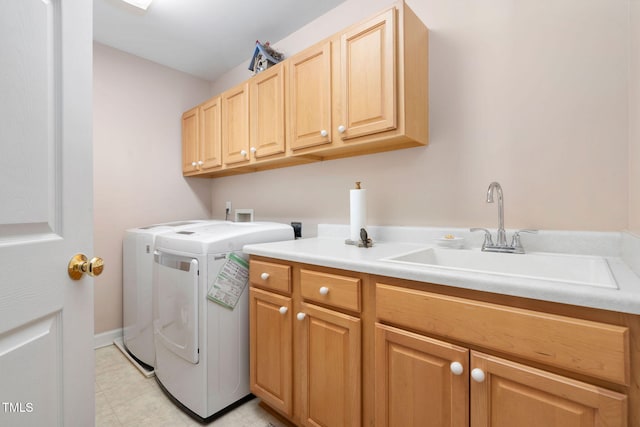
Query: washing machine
{"points": [[201, 314], [137, 267]]}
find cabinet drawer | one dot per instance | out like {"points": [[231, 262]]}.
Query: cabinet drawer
{"points": [[331, 289], [272, 276], [596, 349]]}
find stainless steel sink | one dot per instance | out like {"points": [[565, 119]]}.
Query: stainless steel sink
{"points": [[565, 268]]}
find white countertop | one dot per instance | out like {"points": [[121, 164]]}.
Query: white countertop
{"points": [[621, 250]]}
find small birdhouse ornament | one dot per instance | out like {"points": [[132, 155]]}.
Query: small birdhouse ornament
{"points": [[264, 57]]}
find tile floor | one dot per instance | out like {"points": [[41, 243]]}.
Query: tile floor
{"points": [[124, 397]]}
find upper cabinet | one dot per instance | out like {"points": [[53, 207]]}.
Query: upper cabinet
{"points": [[201, 145], [368, 78], [235, 125], [210, 134], [190, 141], [267, 125], [309, 112], [361, 91]]}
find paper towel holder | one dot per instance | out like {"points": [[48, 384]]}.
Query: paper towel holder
{"points": [[358, 235], [364, 242]]}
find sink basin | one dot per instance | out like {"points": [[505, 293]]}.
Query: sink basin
{"points": [[575, 269]]}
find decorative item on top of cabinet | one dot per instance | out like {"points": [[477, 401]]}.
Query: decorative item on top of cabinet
{"points": [[264, 56]]}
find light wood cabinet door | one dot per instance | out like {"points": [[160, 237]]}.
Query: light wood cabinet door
{"points": [[512, 394], [267, 112], [271, 349], [309, 111], [235, 124], [210, 141], [190, 132], [368, 77], [419, 381], [329, 367]]}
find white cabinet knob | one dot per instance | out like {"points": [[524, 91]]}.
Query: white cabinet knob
{"points": [[283, 310], [264, 276], [324, 290], [200, 162], [243, 153], [193, 163], [478, 375], [456, 368], [253, 150], [301, 316], [323, 133], [341, 129]]}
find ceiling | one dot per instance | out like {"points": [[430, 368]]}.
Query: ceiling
{"points": [[205, 38]]}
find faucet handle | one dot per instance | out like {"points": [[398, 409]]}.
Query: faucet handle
{"points": [[515, 240], [488, 241]]}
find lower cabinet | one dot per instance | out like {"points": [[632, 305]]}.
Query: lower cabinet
{"points": [[305, 358], [329, 375], [504, 393], [414, 383], [425, 382], [336, 348], [271, 349]]}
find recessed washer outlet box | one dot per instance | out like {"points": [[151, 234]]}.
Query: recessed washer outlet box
{"points": [[244, 215]]}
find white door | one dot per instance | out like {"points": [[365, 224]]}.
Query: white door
{"points": [[46, 319]]}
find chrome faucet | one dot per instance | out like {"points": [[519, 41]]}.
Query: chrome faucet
{"points": [[501, 236]]}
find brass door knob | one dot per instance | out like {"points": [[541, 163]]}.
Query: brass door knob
{"points": [[79, 265]]}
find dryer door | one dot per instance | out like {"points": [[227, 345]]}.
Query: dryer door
{"points": [[176, 319]]}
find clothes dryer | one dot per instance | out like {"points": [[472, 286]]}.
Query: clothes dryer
{"points": [[137, 267], [201, 314]]}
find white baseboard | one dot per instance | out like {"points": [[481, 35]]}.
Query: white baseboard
{"points": [[106, 338]]}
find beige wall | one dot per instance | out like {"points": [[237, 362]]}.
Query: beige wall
{"points": [[531, 94], [634, 120], [540, 96], [137, 169]]}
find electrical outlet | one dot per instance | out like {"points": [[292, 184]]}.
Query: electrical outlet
{"points": [[228, 208]]}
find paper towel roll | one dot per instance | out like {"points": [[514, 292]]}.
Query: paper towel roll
{"points": [[358, 204]]}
